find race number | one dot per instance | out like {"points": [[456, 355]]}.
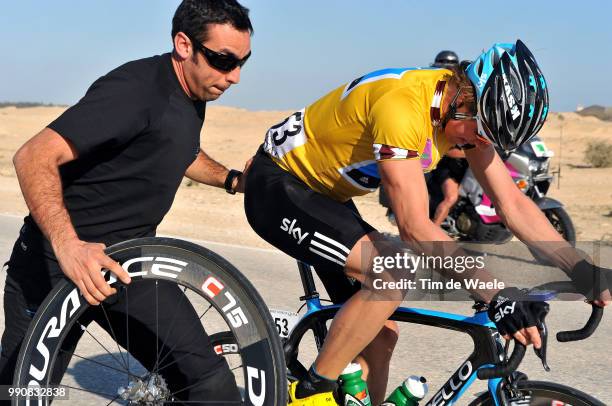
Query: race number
{"points": [[284, 321], [286, 135]]}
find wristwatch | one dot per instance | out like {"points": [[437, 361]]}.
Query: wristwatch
{"points": [[233, 174]]}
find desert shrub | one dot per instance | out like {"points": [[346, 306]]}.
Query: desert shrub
{"points": [[598, 154]]}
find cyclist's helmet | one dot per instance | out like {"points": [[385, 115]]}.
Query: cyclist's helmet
{"points": [[511, 94], [445, 59]]}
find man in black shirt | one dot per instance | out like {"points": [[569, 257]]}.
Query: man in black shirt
{"points": [[108, 169]]}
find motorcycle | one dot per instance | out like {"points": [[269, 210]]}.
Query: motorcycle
{"points": [[473, 218]]}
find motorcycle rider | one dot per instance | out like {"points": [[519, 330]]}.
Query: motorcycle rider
{"points": [[446, 59]]}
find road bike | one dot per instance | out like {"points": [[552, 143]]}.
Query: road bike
{"points": [[226, 303], [490, 360]]}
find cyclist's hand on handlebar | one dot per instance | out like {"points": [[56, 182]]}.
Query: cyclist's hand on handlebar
{"points": [[527, 336], [605, 301], [516, 316], [594, 282], [82, 263]]}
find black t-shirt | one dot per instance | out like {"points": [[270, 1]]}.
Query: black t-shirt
{"points": [[136, 132]]}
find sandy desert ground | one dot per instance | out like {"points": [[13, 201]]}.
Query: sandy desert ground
{"points": [[232, 135]]}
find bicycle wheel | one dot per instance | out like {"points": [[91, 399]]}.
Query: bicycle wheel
{"points": [[207, 282], [538, 393]]}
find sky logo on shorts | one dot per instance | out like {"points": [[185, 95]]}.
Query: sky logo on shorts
{"points": [[296, 232]]}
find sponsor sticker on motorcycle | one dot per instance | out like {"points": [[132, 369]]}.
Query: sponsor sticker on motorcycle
{"points": [[540, 150]]}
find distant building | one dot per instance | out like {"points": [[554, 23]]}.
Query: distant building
{"points": [[579, 107]]}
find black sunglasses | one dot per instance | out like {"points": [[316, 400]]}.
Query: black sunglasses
{"points": [[218, 60]]}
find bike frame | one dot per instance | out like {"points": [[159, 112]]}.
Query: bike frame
{"points": [[488, 346]]}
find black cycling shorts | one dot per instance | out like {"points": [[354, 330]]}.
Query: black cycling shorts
{"points": [[304, 224], [453, 168]]}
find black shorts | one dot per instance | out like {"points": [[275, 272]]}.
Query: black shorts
{"points": [[304, 224], [453, 168]]}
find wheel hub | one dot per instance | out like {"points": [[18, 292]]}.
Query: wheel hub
{"points": [[151, 390]]}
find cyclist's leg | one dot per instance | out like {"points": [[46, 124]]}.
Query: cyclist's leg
{"points": [[376, 359], [310, 227], [377, 355], [347, 337], [166, 335], [450, 190]]}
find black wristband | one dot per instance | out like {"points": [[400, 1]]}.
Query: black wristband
{"points": [[233, 173], [590, 280]]}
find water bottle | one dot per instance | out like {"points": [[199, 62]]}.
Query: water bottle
{"points": [[354, 388], [408, 393]]}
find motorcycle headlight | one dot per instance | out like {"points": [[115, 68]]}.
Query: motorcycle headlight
{"points": [[533, 166]]}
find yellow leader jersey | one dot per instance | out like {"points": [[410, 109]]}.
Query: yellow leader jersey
{"points": [[334, 144]]}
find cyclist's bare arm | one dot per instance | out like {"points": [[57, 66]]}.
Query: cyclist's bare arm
{"points": [[404, 182], [37, 165], [210, 172], [518, 212]]}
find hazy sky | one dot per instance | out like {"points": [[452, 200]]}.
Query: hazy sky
{"points": [[51, 51]]}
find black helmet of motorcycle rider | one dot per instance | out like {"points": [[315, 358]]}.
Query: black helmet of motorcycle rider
{"points": [[445, 59], [511, 95]]}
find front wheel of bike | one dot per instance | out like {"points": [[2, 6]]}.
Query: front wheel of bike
{"points": [[66, 346], [538, 393]]}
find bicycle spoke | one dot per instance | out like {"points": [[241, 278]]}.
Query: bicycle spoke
{"points": [[100, 363], [156, 325], [178, 341], [127, 332], [185, 388], [112, 332], [101, 345], [114, 399], [157, 361]]}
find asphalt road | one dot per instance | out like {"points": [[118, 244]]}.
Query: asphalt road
{"points": [[421, 350]]}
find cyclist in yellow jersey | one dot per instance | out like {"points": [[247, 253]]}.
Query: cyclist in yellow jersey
{"points": [[376, 117], [389, 126]]}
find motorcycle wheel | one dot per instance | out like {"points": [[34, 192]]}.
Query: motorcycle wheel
{"points": [[561, 221]]}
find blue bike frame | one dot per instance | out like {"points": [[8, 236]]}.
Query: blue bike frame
{"points": [[488, 345]]}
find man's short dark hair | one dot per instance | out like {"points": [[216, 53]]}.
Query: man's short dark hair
{"points": [[193, 16]]}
